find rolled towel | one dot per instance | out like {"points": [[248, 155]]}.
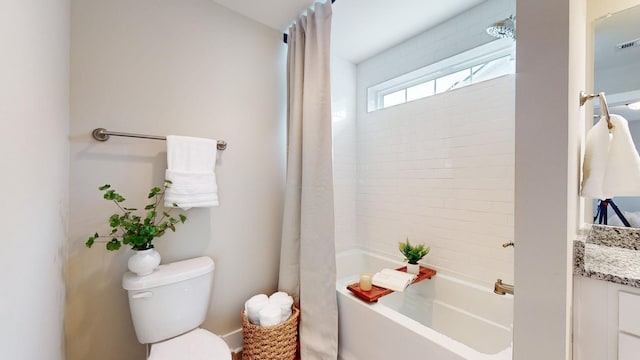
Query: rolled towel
{"points": [[284, 301], [253, 306], [270, 315], [276, 296]]}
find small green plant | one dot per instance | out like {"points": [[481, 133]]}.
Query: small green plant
{"points": [[413, 254], [135, 230]]}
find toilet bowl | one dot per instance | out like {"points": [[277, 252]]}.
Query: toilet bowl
{"points": [[198, 344], [167, 308]]}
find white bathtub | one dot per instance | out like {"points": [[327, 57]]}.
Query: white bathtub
{"points": [[440, 319]]}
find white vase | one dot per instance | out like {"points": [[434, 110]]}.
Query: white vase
{"points": [[143, 262], [413, 269]]}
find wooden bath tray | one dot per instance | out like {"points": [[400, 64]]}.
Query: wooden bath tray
{"points": [[377, 292]]}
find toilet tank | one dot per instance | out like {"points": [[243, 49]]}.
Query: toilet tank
{"points": [[170, 301]]}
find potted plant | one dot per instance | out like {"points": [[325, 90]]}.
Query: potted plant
{"points": [[413, 254], [138, 231]]}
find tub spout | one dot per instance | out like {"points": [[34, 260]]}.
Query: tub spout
{"points": [[501, 288]]}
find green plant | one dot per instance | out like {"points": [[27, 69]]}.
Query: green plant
{"points": [[413, 254], [135, 230]]}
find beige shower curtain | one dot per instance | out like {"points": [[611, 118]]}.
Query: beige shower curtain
{"points": [[307, 257]]}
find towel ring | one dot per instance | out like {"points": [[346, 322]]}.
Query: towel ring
{"points": [[604, 107]]}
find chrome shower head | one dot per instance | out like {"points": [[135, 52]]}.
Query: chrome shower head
{"points": [[503, 29]]}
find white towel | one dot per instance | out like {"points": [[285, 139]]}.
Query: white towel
{"points": [[270, 315], [190, 168], [611, 164], [623, 167], [392, 279], [253, 306], [594, 166], [284, 301]]}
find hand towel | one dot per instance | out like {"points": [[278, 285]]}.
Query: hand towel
{"points": [[594, 165], [611, 164], [190, 168], [392, 279], [622, 177]]}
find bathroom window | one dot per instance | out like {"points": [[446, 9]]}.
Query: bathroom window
{"points": [[482, 63]]}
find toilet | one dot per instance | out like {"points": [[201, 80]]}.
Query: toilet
{"points": [[167, 308]]}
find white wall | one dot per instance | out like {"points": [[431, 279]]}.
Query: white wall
{"points": [[440, 170], [172, 67], [34, 113], [550, 72], [461, 33], [343, 107], [431, 171]]}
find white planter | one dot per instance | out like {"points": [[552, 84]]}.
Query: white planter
{"points": [[413, 269], [143, 262]]}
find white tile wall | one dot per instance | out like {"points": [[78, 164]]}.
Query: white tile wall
{"points": [[440, 170], [343, 104]]}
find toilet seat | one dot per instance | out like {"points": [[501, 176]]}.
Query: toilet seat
{"points": [[198, 344]]}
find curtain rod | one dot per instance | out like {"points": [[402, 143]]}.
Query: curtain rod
{"points": [[285, 36], [102, 134]]}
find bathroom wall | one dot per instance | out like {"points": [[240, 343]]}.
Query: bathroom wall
{"points": [[440, 170], [172, 67], [343, 104], [34, 126], [461, 33]]}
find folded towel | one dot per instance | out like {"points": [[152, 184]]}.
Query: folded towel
{"points": [[190, 168], [611, 163], [392, 279]]}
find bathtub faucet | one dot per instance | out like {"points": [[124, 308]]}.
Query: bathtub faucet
{"points": [[501, 288]]}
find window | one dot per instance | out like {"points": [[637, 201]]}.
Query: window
{"points": [[482, 63]]}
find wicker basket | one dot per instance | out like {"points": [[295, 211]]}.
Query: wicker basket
{"points": [[277, 342]]}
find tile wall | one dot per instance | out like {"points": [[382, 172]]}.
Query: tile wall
{"points": [[438, 170]]}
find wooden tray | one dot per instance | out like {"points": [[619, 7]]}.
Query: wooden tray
{"points": [[377, 292]]}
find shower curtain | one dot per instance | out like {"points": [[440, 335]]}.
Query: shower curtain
{"points": [[307, 256]]}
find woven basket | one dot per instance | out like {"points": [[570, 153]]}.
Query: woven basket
{"points": [[277, 342]]}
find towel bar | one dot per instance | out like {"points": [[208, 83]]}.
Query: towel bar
{"points": [[102, 134]]}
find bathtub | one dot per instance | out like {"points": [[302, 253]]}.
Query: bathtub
{"points": [[444, 318]]}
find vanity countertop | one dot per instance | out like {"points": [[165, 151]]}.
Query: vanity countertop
{"points": [[609, 253]]}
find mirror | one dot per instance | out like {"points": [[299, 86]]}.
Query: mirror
{"points": [[616, 73]]}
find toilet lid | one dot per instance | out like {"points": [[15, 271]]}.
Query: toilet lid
{"points": [[198, 344]]}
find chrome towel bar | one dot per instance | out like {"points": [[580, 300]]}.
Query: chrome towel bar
{"points": [[102, 134]]}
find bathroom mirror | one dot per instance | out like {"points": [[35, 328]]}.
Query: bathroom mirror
{"points": [[616, 69]]}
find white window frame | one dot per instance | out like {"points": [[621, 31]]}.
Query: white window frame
{"points": [[479, 55]]}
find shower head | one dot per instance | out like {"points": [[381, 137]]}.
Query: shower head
{"points": [[503, 29]]}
